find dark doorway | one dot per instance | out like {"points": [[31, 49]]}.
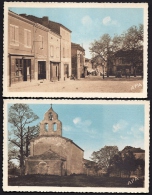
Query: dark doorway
{"points": [[54, 71], [26, 69], [41, 70]]}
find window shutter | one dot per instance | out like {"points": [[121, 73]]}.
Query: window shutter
{"points": [[29, 38], [25, 37], [16, 35], [11, 34]]}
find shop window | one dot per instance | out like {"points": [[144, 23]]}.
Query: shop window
{"points": [[54, 126], [14, 35], [19, 67], [27, 38]]}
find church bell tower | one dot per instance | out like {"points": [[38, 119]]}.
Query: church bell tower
{"points": [[50, 125]]}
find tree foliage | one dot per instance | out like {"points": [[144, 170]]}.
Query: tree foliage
{"points": [[21, 116], [126, 162], [104, 156], [131, 41]]}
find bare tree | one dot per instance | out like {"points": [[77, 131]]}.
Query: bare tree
{"points": [[20, 116]]}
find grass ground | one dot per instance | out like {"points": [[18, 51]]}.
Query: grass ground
{"points": [[73, 181], [89, 84]]}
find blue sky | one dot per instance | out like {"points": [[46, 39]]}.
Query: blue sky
{"points": [[93, 126], [88, 24]]}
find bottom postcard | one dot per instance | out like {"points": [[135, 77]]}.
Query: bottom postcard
{"points": [[76, 146]]}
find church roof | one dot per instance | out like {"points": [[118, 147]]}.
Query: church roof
{"points": [[48, 155]]}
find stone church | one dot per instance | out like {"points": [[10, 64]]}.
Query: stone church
{"points": [[51, 153]]}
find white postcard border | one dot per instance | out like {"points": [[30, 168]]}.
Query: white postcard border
{"points": [[7, 188], [7, 93]]}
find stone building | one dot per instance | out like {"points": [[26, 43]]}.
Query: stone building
{"points": [[51, 153], [60, 67], [78, 61], [38, 49], [40, 44], [123, 61], [20, 61]]}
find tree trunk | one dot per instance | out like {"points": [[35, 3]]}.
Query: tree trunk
{"points": [[21, 154]]}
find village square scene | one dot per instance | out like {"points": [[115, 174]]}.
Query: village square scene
{"points": [[83, 148], [75, 50]]}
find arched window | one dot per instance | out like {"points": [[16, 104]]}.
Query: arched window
{"points": [[54, 126], [46, 127]]}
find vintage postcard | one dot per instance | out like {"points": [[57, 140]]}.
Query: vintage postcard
{"points": [[75, 50], [76, 146]]}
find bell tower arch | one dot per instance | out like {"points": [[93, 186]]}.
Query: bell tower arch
{"points": [[50, 125]]}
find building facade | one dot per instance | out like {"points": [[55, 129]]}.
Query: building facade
{"points": [[54, 56], [38, 49], [78, 61], [51, 153], [40, 44], [127, 62], [20, 49]]}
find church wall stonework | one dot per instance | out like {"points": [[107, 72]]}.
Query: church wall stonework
{"points": [[50, 153], [64, 147]]}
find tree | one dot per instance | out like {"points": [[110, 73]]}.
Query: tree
{"points": [[105, 49], [116, 164], [133, 44], [129, 162], [104, 156], [20, 116]]}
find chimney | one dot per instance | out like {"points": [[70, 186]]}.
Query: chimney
{"points": [[45, 21], [23, 15]]}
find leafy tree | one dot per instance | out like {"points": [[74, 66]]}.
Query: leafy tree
{"points": [[21, 116], [133, 44], [116, 164], [104, 156], [129, 162], [105, 49]]}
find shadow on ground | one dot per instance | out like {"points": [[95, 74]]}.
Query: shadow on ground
{"points": [[73, 181]]}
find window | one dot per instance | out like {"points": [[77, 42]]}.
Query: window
{"points": [[57, 52], [40, 42], [14, 35], [46, 127], [18, 67], [54, 126], [51, 51], [27, 38], [67, 53]]}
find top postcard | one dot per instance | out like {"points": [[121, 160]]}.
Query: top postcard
{"points": [[87, 50]]}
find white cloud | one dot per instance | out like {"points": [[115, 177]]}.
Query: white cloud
{"points": [[122, 124], [123, 137], [67, 128], [108, 21], [137, 131], [86, 21], [76, 120], [84, 126]]}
